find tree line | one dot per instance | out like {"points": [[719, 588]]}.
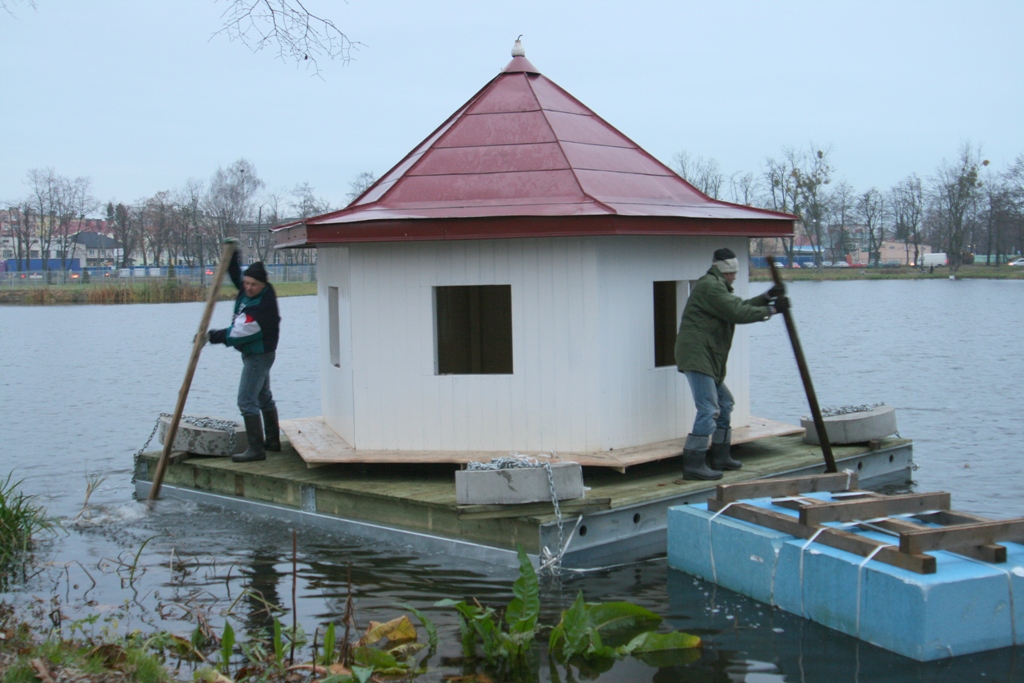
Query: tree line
{"points": [[181, 226], [965, 207]]}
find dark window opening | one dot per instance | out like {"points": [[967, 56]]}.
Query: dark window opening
{"points": [[664, 324], [474, 330], [333, 323]]}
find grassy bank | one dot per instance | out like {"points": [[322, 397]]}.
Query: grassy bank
{"points": [[156, 292], [902, 273]]}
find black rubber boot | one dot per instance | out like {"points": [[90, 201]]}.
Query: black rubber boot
{"points": [[254, 435], [721, 458], [695, 453], [272, 430]]}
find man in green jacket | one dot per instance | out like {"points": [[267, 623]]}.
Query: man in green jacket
{"points": [[702, 351]]}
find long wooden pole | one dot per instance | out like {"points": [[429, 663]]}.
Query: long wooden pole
{"points": [[197, 347], [805, 375]]}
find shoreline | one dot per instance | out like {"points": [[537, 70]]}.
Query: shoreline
{"points": [[114, 294], [62, 295], [968, 272]]}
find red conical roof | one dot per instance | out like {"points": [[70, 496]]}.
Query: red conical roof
{"points": [[524, 158]]}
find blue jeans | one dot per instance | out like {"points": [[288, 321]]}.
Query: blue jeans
{"points": [[254, 387], [714, 403]]}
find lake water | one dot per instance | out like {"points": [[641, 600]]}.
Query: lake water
{"points": [[80, 389]]}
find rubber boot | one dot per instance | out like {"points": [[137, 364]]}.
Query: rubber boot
{"points": [[272, 430], [695, 453], [254, 435], [721, 458]]}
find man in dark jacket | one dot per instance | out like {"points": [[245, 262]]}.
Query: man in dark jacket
{"points": [[702, 351], [254, 332]]}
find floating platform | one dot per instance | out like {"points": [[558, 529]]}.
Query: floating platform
{"points": [[622, 517], [901, 572]]}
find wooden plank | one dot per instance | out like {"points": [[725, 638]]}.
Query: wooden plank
{"points": [[834, 538], [790, 486], [533, 509], [317, 443], [989, 552], [945, 538], [883, 506]]}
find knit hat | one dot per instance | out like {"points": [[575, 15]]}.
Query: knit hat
{"points": [[256, 271], [725, 261]]}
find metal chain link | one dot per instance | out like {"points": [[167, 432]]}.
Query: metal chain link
{"points": [[518, 460], [228, 426]]}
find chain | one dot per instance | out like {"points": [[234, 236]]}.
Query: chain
{"points": [[518, 460], [228, 426]]}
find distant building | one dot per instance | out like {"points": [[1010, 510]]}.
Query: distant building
{"points": [[94, 249]]}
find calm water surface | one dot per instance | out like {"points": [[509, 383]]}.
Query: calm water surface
{"points": [[80, 388]]}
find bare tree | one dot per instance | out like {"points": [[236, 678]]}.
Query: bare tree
{"points": [[6, 5], [841, 204], [870, 210], [305, 203], [44, 196], [362, 182], [231, 198], [906, 205], [743, 188], [287, 26], [188, 201], [76, 201], [812, 173], [1014, 182], [704, 174], [120, 220], [780, 182], [22, 220], [954, 200], [159, 223]]}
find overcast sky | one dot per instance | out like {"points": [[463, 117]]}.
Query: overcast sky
{"points": [[140, 95]]}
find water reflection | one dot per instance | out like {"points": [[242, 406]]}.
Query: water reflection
{"points": [[81, 386]]}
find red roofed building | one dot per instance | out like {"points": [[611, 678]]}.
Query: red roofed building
{"points": [[515, 283]]}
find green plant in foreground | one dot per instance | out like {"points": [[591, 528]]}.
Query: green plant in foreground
{"points": [[596, 634], [477, 623]]}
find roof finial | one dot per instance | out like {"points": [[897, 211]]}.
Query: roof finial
{"points": [[517, 49]]}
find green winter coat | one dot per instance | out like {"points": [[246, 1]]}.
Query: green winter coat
{"points": [[709, 319]]}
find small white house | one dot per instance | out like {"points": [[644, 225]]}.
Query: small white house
{"points": [[515, 284]]}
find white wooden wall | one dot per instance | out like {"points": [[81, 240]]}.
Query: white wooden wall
{"points": [[582, 334]]}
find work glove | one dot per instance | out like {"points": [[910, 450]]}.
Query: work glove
{"points": [[781, 304], [776, 291], [217, 336]]}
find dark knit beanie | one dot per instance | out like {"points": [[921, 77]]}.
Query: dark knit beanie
{"points": [[256, 271], [724, 254]]}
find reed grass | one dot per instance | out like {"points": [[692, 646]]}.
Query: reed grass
{"points": [[20, 521], [162, 291]]}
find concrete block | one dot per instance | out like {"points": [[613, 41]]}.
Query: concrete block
{"points": [[966, 606], [203, 440], [518, 485], [854, 427]]}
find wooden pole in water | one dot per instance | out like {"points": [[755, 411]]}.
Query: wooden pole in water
{"points": [[197, 347], [805, 375]]}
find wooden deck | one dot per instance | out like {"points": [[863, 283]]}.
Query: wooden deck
{"points": [[419, 498], [318, 444]]}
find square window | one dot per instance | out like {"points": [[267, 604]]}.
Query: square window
{"points": [[664, 324], [473, 330]]}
